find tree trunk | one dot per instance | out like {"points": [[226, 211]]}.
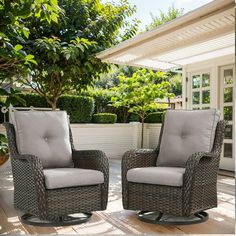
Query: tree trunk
{"points": [[52, 102], [142, 132], [54, 105]]}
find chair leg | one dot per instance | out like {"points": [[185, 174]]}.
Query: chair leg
{"points": [[73, 219], [164, 219]]}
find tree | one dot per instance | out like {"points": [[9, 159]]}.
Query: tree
{"points": [[140, 91], [58, 67], [176, 84], [163, 18], [66, 52], [13, 32]]}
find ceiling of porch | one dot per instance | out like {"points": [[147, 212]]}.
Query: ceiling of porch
{"points": [[202, 34]]}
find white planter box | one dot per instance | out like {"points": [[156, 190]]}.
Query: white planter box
{"points": [[113, 139]]}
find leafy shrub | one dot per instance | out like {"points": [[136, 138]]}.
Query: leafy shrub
{"points": [[32, 99], [102, 98], [106, 118], [79, 108], [3, 144], [134, 117], [154, 117]]}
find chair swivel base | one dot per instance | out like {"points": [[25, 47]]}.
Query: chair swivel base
{"points": [[164, 219], [73, 219]]}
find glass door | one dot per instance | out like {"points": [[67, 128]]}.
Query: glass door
{"points": [[227, 83], [200, 91]]}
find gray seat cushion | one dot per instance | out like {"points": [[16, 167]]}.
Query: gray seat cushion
{"points": [[44, 134], [185, 133], [71, 177], [170, 176]]}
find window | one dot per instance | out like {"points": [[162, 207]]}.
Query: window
{"points": [[201, 91]]}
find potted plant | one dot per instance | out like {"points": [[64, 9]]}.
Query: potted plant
{"points": [[4, 153]]}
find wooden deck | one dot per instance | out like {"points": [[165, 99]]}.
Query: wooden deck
{"points": [[115, 220]]}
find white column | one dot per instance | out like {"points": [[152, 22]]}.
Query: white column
{"points": [[184, 88]]}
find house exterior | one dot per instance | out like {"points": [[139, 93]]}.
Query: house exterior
{"points": [[202, 44]]}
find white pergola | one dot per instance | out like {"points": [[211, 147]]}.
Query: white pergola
{"points": [[205, 33]]}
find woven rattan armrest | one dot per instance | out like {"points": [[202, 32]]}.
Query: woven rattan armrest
{"points": [[96, 160], [201, 170], [197, 159], [134, 159], [28, 174], [139, 158], [90, 159], [31, 163]]}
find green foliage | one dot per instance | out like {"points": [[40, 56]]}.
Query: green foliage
{"points": [[111, 78], [140, 92], [134, 117], [11, 98], [66, 52], [106, 118], [80, 109], [59, 67], [102, 98], [154, 117], [176, 84], [3, 144], [33, 100], [164, 17], [13, 32]]}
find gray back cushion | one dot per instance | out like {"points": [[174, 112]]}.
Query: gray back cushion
{"points": [[185, 133], [44, 134]]}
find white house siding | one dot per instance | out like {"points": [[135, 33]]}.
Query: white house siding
{"points": [[213, 66]]}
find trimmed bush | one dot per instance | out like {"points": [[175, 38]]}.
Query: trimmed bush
{"points": [[154, 117], [105, 118], [34, 100], [134, 117], [79, 108]]}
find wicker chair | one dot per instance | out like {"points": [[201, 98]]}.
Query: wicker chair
{"points": [[53, 206], [181, 204]]}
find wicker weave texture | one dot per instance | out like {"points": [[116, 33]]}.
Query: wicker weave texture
{"points": [[31, 195], [198, 192]]}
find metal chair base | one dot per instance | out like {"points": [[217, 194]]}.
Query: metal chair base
{"points": [[164, 219], [73, 219]]}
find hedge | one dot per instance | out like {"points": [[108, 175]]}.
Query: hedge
{"points": [[154, 117], [134, 117], [34, 100], [105, 118], [79, 108]]}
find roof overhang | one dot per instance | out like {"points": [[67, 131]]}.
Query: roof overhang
{"points": [[205, 33]]}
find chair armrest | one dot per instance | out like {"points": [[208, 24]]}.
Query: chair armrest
{"points": [[197, 159], [134, 159], [201, 170], [196, 163], [31, 163], [139, 158], [29, 178], [96, 160], [90, 159]]}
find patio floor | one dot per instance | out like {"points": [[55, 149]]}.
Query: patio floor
{"points": [[115, 220]]}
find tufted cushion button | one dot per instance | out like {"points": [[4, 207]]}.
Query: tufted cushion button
{"points": [[183, 135]]}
